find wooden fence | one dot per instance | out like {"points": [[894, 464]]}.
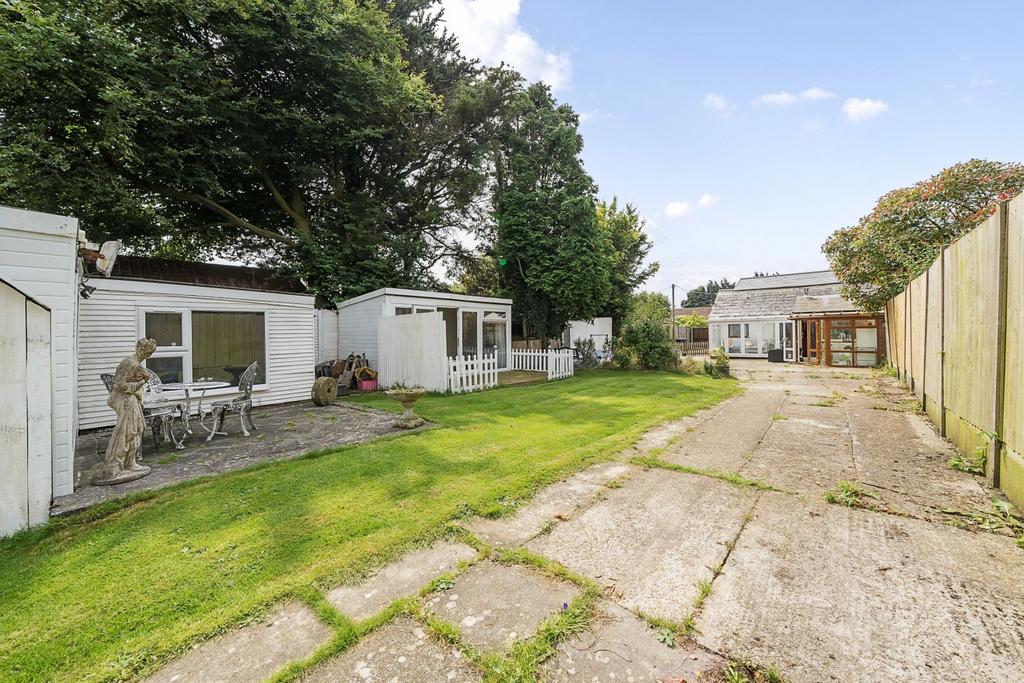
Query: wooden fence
{"points": [[955, 337], [557, 363], [411, 351], [535, 344], [25, 411], [696, 348], [472, 373]]}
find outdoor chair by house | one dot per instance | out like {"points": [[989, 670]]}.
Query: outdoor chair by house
{"points": [[240, 404], [157, 412]]}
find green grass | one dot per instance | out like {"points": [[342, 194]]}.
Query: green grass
{"points": [[728, 477], [849, 493], [113, 593]]}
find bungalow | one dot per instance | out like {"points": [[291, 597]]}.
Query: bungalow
{"points": [[797, 316], [209, 321]]}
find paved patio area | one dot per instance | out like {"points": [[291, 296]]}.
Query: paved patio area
{"points": [[707, 548], [283, 431]]}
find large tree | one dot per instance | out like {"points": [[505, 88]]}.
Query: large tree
{"points": [[876, 259], [554, 258], [704, 295], [339, 139], [630, 245]]}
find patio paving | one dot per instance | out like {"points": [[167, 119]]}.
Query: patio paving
{"points": [[823, 592], [283, 431]]}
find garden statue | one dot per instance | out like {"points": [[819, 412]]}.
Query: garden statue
{"points": [[119, 464]]}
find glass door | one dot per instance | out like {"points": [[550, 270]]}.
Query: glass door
{"points": [[840, 343], [812, 342]]}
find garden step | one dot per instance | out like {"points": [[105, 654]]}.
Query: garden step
{"points": [[252, 653], [398, 580], [494, 605], [559, 501], [400, 651]]}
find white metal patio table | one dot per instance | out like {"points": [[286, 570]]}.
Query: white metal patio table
{"points": [[188, 388]]}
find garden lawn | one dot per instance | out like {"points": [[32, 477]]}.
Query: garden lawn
{"points": [[111, 595]]}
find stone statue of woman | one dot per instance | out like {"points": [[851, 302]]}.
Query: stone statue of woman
{"points": [[119, 464]]}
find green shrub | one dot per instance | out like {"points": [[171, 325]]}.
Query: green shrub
{"points": [[586, 354], [690, 366], [718, 366], [645, 344]]}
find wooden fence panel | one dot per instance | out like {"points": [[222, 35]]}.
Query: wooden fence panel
{"points": [[898, 326], [971, 322], [472, 373], [1012, 428], [916, 327], [933, 401], [40, 412], [411, 351]]}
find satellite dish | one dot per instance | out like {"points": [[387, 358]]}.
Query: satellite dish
{"points": [[107, 256]]}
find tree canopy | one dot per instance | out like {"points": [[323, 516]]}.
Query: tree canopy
{"points": [[630, 245], [553, 256], [876, 259], [340, 140], [705, 294]]}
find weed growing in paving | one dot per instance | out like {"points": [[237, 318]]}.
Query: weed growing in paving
{"points": [[831, 402], [850, 494], [779, 416], [729, 477], [1001, 516], [743, 671], [975, 465], [667, 636]]}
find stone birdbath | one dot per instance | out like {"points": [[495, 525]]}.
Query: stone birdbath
{"points": [[408, 398]]}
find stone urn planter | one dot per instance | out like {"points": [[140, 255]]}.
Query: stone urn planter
{"points": [[408, 398]]}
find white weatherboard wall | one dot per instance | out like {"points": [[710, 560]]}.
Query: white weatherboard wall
{"points": [[111, 320], [357, 317], [25, 417], [39, 256]]}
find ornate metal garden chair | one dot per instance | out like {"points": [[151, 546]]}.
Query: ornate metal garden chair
{"points": [[158, 413], [240, 404]]}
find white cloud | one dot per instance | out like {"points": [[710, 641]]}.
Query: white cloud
{"points": [[717, 103], [857, 109], [706, 201], [489, 30], [784, 98], [781, 99], [817, 93], [678, 209]]}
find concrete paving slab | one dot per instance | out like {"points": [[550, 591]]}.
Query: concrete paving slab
{"points": [[832, 593], [726, 441], [907, 463], [807, 452], [253, 653], [649, 542], [560, 501], [400, 652], [620, 647], [400, 579], [495, 605]]}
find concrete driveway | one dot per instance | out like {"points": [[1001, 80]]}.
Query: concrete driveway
{"points": [[707, 553]]}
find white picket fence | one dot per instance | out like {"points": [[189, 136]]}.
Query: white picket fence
{"points": [[472, 373], [558, 363]]}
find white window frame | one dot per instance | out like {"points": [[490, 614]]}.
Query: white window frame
{"points": [[185, 350]]}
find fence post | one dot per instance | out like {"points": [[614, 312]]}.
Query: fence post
{"points": [[942, 341], [924, 361], [1002, 265]]}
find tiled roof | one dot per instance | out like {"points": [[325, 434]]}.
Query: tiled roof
{"points": [[753, 304], [204, 274], [828, 303], [817, 277], [693, 310]]}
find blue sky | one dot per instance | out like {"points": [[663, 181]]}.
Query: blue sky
{"points": [[862, 97]]}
